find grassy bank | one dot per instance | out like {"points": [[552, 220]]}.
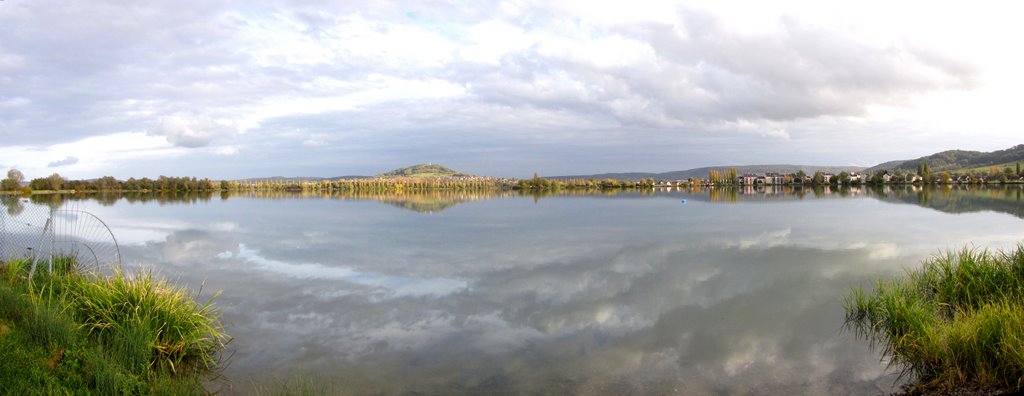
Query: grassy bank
{"points": [[71, 333], [956, 323]]}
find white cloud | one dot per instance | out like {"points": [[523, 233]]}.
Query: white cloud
{"points": [[93, 156], [777, 133], [226, 150], [283, 39], [315, 140], [9, 61], [347, 96], [14, 102], [69, 160], [489, 41], [193, 131]]}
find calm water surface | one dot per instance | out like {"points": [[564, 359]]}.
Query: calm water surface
{"points": [[728, 293]]}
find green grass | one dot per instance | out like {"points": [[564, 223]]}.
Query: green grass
{"points": [[70, 333], [957, 322], [985, 168]]}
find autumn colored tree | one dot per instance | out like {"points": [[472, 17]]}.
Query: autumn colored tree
{"points": [[13, 180]]}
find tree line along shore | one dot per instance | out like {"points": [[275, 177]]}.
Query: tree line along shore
{"points": [[15, 182]]}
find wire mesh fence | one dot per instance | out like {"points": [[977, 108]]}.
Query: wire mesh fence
{"points": [[44, 232]]}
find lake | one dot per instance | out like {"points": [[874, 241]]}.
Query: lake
{"points": [[729, 292]]}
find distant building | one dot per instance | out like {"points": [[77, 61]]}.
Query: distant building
{"points": [[774, 178]]}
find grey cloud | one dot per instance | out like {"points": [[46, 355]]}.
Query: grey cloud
{"points": [[99, 75], [64, 162], [709, 75]]}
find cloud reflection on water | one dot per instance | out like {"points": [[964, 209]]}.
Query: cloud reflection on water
{"points": [[574, 295], [400, 286]]}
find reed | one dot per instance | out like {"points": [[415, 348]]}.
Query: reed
{"points": [[957, 322]]}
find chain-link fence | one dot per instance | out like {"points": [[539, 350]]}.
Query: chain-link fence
{"points": [[24, 228]]}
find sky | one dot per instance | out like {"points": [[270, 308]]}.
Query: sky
{"points": [[234, 89]]}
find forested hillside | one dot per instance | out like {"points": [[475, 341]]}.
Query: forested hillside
{"points": [[953, 160]]}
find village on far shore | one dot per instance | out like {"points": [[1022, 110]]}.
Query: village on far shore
{"points": [[923, 176]]}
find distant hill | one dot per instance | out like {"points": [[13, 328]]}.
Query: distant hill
{"points": [[424, 170], [703, 172], [887, 165], [953, 160], [421, 170], [300, 178]]}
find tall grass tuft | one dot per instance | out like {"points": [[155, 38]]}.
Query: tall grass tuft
{"points": [[150, 323], [957, 322]]}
